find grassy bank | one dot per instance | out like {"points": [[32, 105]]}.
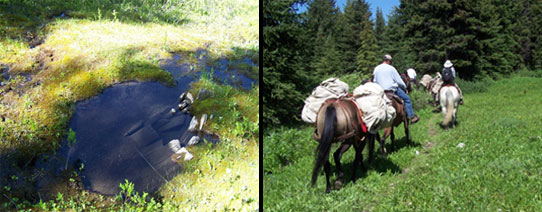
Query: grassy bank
{"points": [[224, 176], [497, 169], [79, 58], [61, 52]]}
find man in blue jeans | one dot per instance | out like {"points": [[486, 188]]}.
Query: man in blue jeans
{"points": [[387, 76]]}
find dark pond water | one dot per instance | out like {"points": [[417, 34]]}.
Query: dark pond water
{"points": [[123, 133]]}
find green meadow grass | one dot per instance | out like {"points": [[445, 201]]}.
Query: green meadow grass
{"points": [[498, 169]]}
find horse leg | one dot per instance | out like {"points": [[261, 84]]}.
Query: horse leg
{"points": [[327, 170], [357, 160], [392, 138], [382, 141], [337, 156], [371, 140], [407, 131], [454, 120]]}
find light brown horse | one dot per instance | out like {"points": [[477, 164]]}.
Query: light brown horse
{"points": [[400, 117], [338, 120]]}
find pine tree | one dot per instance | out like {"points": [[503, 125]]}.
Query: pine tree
{"points": [[356, 35], [328, 62], [321, 24], [536, 33], [380, 27], [395, 43], [522, 30], [321, 15], [286, 81], [367, 57]]}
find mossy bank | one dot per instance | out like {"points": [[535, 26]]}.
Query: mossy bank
{"points": [[55, 53]]}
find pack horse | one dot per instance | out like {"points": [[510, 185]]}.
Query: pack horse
{"points": [[338, 120]]}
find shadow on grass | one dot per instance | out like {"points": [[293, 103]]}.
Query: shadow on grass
{"points": [[456, 124], [397, 145], [25, 20], [380, 165]]}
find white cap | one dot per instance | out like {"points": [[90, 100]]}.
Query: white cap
{"points": [[387, 57], [448, 64]]}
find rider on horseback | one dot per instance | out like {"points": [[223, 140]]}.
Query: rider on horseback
{"points": [[412, 77], [448, 77], [390, 80]]}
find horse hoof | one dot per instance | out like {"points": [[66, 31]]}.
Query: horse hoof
{"points": [[338, 184], [328, 190], [384, 153]]}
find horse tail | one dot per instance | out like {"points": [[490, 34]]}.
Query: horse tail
{"points": [[449, 107], [324, 146]]}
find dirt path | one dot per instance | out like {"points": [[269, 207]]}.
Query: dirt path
{"points": [[432, 132]]}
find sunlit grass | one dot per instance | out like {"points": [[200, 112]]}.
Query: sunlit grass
{"points": [[225, 175], [497, 167], [82, 57], [17, 53]]}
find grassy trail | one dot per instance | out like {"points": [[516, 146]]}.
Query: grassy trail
{"points": [[498, 168]]}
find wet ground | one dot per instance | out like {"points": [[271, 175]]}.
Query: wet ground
{"points": [[123, 132]]}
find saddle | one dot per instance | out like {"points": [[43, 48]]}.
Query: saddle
{"points": [[449, 84], [391, 95]]}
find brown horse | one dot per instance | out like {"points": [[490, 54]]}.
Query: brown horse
{"points": [[400, 117], [406, 80], [338, 120]]}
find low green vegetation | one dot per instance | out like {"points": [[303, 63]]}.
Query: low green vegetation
{"points": [[61, 52], [224, 176], [490, 162], [126, 200]]}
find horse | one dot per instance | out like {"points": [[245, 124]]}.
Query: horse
{"points": [[436, 84], [338, 120], [426, 81], [400, 117], [449, 98], [406, 80]]}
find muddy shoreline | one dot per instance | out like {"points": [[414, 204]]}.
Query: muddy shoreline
{"points": [[144, 103]]}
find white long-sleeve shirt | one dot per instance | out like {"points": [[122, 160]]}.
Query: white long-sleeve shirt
{"points": [[387, 76], [411, 73]]}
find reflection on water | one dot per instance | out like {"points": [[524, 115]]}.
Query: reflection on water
{"points": [[123, 132]]}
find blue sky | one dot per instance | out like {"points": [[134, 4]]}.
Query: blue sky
{"points": [[386, 5]]}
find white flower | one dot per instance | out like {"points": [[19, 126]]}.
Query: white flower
{"points": [[460, 145]]}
